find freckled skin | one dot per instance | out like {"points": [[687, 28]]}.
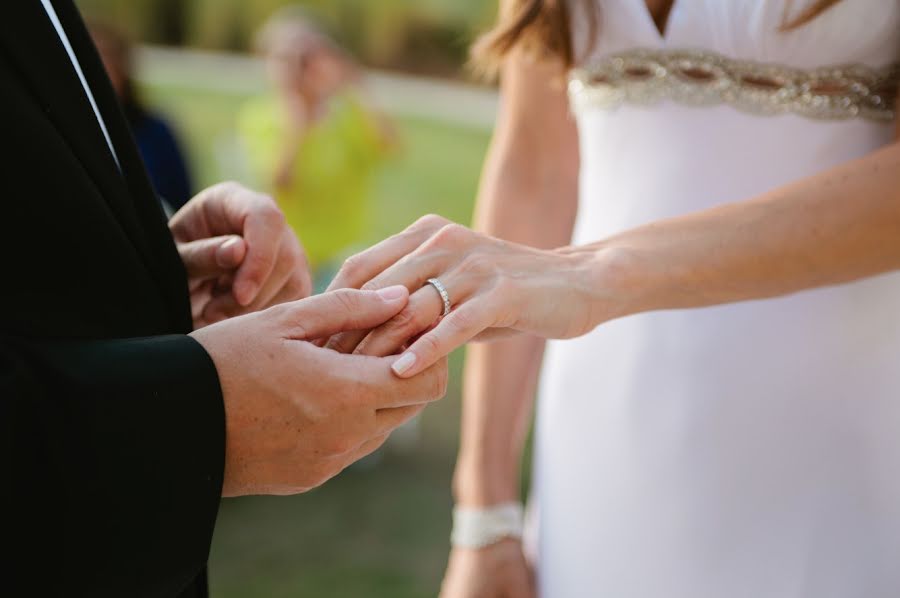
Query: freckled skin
{"points": [[300, 415]]}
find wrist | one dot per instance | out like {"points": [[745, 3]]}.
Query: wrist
{"points": [[475, 484], [612, 279]]}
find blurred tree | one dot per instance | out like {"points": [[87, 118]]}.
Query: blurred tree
{"points": [[421, 35], [172, 18]]}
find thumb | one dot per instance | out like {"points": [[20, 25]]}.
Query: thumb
{"points": [[346, 309], [208, 258]]}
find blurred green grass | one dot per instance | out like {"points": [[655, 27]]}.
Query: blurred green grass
{"points": [[381, 528]]}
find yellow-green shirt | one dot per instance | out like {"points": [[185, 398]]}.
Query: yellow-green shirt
{"points": [[327, 200]]}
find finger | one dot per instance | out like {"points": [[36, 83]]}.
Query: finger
{"points": [[208, 258], [423, 311], [388, 391], [219, 289], [388, 420], [293, 290], [263, 232], [448, 246], [224, 303], [411, 272], [414, 270], [458, 328], [331, 313], [346, 342], [295, 255], [494, 334], [200, 297], [364, 266], [290, 270]]}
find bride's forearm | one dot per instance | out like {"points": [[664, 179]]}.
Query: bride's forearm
{"points": [[499, 387], [833, 228], [528, 196], [501, 377]]}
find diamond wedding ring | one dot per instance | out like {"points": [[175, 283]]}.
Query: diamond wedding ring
{"points": [[442, 290]]}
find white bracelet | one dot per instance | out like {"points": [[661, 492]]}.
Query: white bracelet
{"points": [[477, 528]]}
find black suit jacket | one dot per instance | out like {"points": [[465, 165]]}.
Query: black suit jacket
{"points": [[111, 418]]}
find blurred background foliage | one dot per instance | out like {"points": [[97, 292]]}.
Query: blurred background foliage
{"points": [[412, 35]]}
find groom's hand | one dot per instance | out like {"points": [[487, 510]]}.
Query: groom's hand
{"points": [[296, 414], [239, 253]]}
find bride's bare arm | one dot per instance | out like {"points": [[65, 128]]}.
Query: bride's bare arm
{"points": [[836, 227], [528, 195], [832, 228]]}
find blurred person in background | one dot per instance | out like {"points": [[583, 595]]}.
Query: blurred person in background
{"points": [[316, 141], [156, 140], [742, 157]]}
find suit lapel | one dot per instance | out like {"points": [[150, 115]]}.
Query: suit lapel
{"points": [[140, 196], [32, 42]]}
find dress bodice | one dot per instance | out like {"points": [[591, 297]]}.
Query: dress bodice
{"points": [[863, 32]]}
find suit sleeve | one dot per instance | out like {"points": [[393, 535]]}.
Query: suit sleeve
{"points": [[112, 465]]}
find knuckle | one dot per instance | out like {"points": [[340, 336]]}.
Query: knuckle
{"points": [[346, 300], [430, 221], [451, 234], [449, 231], [351, 266], [271, 213], [229, 187]]}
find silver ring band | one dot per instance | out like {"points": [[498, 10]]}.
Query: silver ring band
{"points": [[442, 291]]}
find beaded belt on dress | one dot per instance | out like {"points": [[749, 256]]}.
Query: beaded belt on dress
{"points": [[702, 78]]}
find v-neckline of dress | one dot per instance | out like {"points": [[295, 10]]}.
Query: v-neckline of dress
{"points": [[663, 30]]}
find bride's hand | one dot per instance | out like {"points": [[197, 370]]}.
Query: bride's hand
{"points": [[497, 571], [495, 288]]}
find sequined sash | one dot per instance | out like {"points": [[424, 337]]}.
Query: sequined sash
{"points": [[701, 78]]}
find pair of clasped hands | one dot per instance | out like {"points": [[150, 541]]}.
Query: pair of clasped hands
{"points": [[311, 385]]}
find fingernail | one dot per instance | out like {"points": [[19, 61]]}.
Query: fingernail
{"points": [[403, 365], [394, 293]]}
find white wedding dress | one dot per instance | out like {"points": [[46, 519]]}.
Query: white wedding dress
{"points": [[744, 451]]}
